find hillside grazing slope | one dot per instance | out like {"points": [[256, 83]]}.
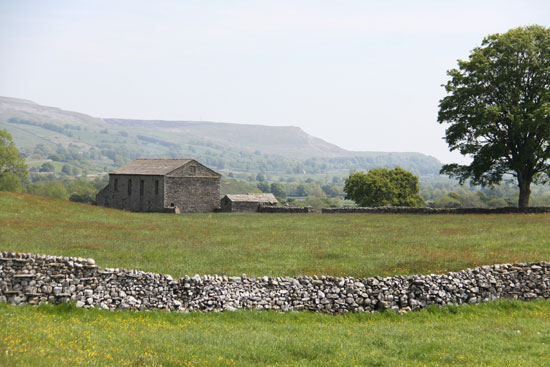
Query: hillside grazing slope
{"points": [[286, 141], [31, 124], [252, 148]]}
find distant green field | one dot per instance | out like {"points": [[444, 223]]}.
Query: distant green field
{"points": [[57, 165], [356, 245], [502, 333]]}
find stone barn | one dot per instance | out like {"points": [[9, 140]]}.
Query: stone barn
{"points": [[162, 185], [246, 202]]}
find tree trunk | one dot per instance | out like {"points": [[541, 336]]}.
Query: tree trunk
{"points": [[524, 192]]}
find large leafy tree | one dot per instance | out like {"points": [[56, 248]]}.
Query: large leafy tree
{"points": [[13, 170], [498, 110], [380, 186]]}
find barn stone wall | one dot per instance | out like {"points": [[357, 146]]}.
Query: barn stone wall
{"points": [[137, 201], [34, 279], [225, 205], [252, 207], [239, 206], [193, 194]]}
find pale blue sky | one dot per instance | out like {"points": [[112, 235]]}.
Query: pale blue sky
{"points": [[365, 75]]}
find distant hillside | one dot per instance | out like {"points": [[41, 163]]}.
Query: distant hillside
{"points": [[286, 141], [103, 144]]}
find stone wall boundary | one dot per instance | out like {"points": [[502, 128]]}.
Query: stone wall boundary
{"points": [[36, 279], [284, 209], [427, 210]]}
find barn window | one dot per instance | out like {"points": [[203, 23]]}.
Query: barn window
{"points": [[129, 187], [141, 187], [156, 187], [193, 169], [116, 184]]}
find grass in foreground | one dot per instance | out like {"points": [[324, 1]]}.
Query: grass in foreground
{"points": [[503, 333], [270, 244]]}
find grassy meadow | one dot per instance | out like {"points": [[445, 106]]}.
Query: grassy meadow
{"points": [[356, 245], [502, 333]]}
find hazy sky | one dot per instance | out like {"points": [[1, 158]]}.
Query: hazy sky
{"points": [[365, 75]]}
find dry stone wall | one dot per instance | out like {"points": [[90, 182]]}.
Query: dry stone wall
{"points": [[426, 210], [34, 279], [284, 209]]}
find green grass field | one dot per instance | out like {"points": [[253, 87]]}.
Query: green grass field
{"points": [[356, 245], [496, 334], [503, 333]]}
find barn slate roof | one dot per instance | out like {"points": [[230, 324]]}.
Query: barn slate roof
{"points": [[151, 166], [252, 198]]}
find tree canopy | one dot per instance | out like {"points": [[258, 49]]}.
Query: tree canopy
{"points": [[380, 186], [13, 170], [498, 110], [278, 189]]}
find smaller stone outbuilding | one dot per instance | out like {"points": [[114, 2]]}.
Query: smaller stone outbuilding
{"points": [[246, 202]]}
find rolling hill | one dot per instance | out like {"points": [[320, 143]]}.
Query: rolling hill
{"points": [[104, 143]]}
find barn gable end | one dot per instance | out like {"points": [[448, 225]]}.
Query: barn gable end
{"points": [[192, 168]]}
